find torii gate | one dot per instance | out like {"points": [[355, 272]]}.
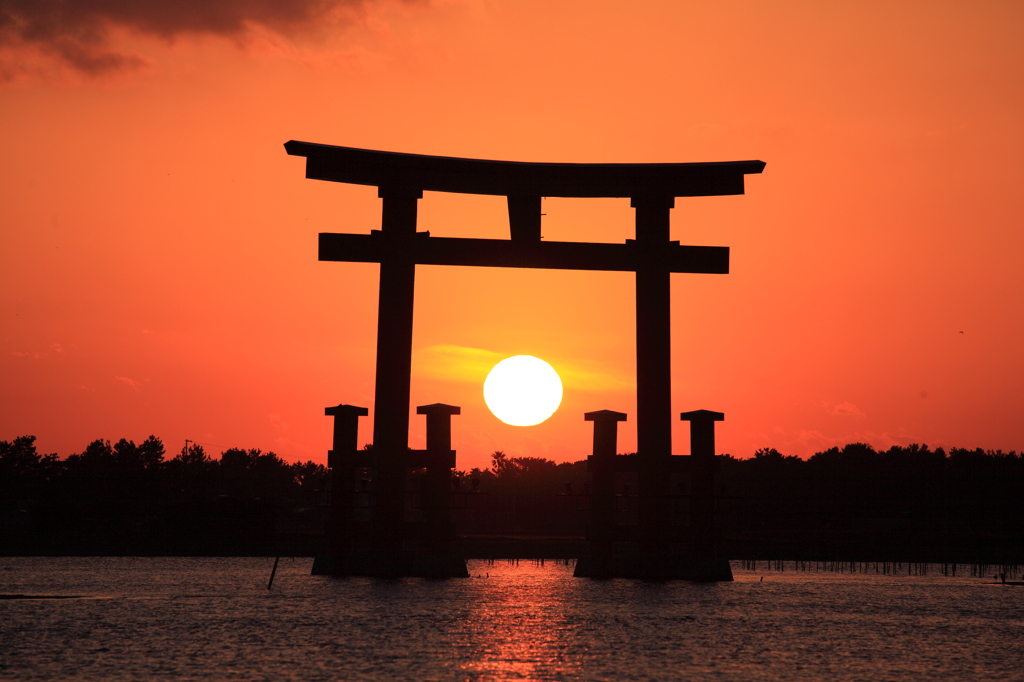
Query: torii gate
{"points": [[401, 180]]}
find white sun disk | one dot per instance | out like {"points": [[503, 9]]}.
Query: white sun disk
{"points": [[523, 390]]}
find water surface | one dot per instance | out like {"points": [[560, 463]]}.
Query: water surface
{"points": [[213, 618]]}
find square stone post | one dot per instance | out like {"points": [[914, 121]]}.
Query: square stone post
{"points": [[437, 485], [601, 533], [702, 482], [341, 460]]}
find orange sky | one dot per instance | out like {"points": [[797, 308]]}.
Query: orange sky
{"points": [[158, 246]]}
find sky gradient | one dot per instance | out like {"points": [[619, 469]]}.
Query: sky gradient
{"points": [[158, 247]]}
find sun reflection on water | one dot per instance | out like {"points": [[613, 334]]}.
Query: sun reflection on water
{"points": [[519, 629]]}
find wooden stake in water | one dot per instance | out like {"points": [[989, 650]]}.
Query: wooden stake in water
{"points": [[272, 572]]}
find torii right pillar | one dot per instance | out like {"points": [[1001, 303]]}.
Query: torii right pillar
{"points": [[654, 418], [653, 370]]}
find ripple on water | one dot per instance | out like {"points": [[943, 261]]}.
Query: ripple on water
{"points": [[213, 618]]}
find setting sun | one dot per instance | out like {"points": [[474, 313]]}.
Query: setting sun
{"points": [[523, 390]]}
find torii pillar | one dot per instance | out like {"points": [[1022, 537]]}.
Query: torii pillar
{"points": [[653, 369], [394, 362]]}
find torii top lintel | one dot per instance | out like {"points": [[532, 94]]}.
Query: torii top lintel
{"points": [[419, 172]]}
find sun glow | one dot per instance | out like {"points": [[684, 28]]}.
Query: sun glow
{"points": [[523, 390]]}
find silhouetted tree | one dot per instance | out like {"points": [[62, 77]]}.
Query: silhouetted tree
{"points": [[22, 468], [28, 482], [855, 501], [309, 474]]}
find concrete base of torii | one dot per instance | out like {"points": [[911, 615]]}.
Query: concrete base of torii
{"points": [[654, 568], [377, 540], [371, 564], [675, 535]]}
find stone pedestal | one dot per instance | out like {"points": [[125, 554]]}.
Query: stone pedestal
{"points": [[676, 539], [376, 539]]}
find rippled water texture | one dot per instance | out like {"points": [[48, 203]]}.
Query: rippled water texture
{"points": [[188, 618]]}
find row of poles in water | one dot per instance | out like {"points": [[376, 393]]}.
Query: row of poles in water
{"points": [[1002, 572], [535, 562], [997, 571]]}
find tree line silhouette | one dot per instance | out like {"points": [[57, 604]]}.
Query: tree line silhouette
{"points": [[906, 503], [853, 503], [127, 498]]}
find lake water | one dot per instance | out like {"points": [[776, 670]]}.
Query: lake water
{"points": [[213, 618]]}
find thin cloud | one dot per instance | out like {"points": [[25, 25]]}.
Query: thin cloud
{"points": [[456, 363], [128, 381], [464, 364], [846, 409], [80, 33], [53, 349]]}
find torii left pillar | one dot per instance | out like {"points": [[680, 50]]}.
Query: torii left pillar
{"points": [[394, 363]]}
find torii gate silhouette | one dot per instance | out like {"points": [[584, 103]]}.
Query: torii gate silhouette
{"points": [[401, 180]]}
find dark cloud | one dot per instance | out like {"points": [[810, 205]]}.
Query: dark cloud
{"points": [[77, 32]]}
